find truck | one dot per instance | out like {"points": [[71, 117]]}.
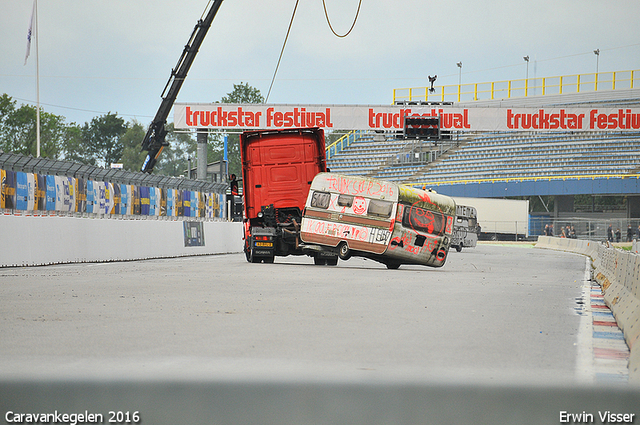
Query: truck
{"points": [[500, 219], [278, 167]]}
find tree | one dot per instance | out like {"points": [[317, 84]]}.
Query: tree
{"points": [[18, 130], [132, 156], [102, 138], [175, 156], [241, 93]]}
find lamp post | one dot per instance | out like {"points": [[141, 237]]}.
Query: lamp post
{"points": [[459, 79], [526, 82], [597, 53]]}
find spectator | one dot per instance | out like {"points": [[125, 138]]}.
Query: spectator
{"points": [[573, 233], [551, 230], [610, 233], [618, 235], [638, 233], [546, 229], [233, 185], [629, 234]]}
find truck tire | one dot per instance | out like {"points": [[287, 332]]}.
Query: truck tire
{"points": [[253, 258]]}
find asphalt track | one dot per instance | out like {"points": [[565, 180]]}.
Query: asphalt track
{"points": [[491, 313]]}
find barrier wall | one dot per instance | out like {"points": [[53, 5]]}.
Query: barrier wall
{"points": [[41, 240], [618, 273]]}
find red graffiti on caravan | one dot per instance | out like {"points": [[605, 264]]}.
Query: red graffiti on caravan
{"points": [[358, 187]]}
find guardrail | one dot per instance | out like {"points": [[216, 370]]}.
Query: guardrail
{"points": [[618, 273], [508, 89]]}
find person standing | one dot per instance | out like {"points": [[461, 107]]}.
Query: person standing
{"points": [[233, 186]]}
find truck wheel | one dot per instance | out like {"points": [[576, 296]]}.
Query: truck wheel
{"points": [[254, 259], [318, 261], [392, 266], [251, 257], [343, 251], [459, 248]]}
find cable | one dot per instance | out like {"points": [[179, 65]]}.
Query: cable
{"points": [[324, 4], [282, 51]]}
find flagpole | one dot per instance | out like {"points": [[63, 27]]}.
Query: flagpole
{"points": [[37, 84]]}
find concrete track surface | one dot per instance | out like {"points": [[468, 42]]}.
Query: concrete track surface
{"points": [[492, 311], [505, 315]]}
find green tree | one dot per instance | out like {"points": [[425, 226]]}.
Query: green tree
{"points": [[18, 128], [174, 158], [73, 147], [241, 93], [103, 138], [132, 157]]}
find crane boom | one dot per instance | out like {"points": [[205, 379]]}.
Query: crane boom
{"points": [[154, 140]]}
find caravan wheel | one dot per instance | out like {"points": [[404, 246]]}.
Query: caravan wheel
{"points": [[343, 251]]}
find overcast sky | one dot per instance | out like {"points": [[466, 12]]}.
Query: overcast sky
{"points": [[98, 56]]}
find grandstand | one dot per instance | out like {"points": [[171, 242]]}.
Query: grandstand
{"points": [[497, 155], [504, 155]]}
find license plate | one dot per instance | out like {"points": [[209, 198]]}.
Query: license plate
{"points": [[264, 244]]}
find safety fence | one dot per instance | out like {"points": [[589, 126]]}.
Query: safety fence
{"points": [[508, 89], [618, 273], [40, 186]]}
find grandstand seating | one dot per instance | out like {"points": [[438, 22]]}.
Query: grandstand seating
{"points": [[496, 156]]}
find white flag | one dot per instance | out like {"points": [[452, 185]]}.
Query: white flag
{"points": [[30, 32]]}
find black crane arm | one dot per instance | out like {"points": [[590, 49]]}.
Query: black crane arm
{"points": [[154, 140]]}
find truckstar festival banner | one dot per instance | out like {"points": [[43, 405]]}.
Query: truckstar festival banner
{"points": [[389, 117]]}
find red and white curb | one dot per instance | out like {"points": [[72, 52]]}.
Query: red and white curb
{"points": [[603, 354]]}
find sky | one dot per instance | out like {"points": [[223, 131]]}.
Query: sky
{"points": [[99, 56]]}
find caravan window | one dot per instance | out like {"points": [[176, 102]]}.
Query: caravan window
{"points": [[380, 208], [320, 200], [424, 221], [345, 201]]}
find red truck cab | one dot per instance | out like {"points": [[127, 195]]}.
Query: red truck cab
{"points": [[278, 167]]}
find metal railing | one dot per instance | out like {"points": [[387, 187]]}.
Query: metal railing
{"points": [[29, 164], [524, 179], [578, 83], [341, 144]]}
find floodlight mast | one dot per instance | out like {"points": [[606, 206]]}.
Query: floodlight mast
{"points": [[154, 141]]}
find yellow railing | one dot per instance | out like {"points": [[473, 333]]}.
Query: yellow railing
{"points": [[523, 179], [578, 83], [341, 144]]}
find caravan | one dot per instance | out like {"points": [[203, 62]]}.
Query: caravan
{"points": [[384, 221]]}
